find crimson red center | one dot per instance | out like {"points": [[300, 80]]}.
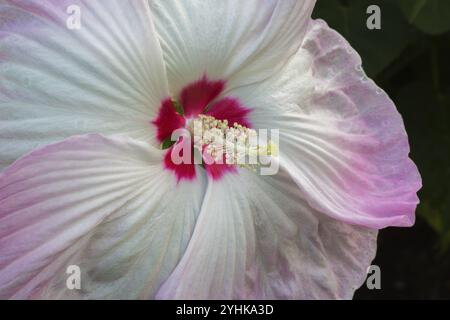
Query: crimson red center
{"points": [[200, 97]]}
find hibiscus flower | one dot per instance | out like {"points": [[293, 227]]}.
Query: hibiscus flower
{"points": [[88, 178]]}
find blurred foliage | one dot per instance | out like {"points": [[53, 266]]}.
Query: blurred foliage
{"points": [[409, 57], [377, 48], [430, 16]]}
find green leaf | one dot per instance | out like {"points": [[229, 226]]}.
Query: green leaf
{"points": [[178, 107], [438, 220], [430, 16], [167, 143], [378, 48]]}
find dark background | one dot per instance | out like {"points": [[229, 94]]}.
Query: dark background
{"points": [[410, 59]]}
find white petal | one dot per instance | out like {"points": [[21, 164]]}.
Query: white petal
{"points": [[341, 137], [106, 77], [256, 238], [239, 41], [105, 205]]}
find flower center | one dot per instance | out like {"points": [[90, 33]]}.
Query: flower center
{"points": [[198, 128], [221, 143]]}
